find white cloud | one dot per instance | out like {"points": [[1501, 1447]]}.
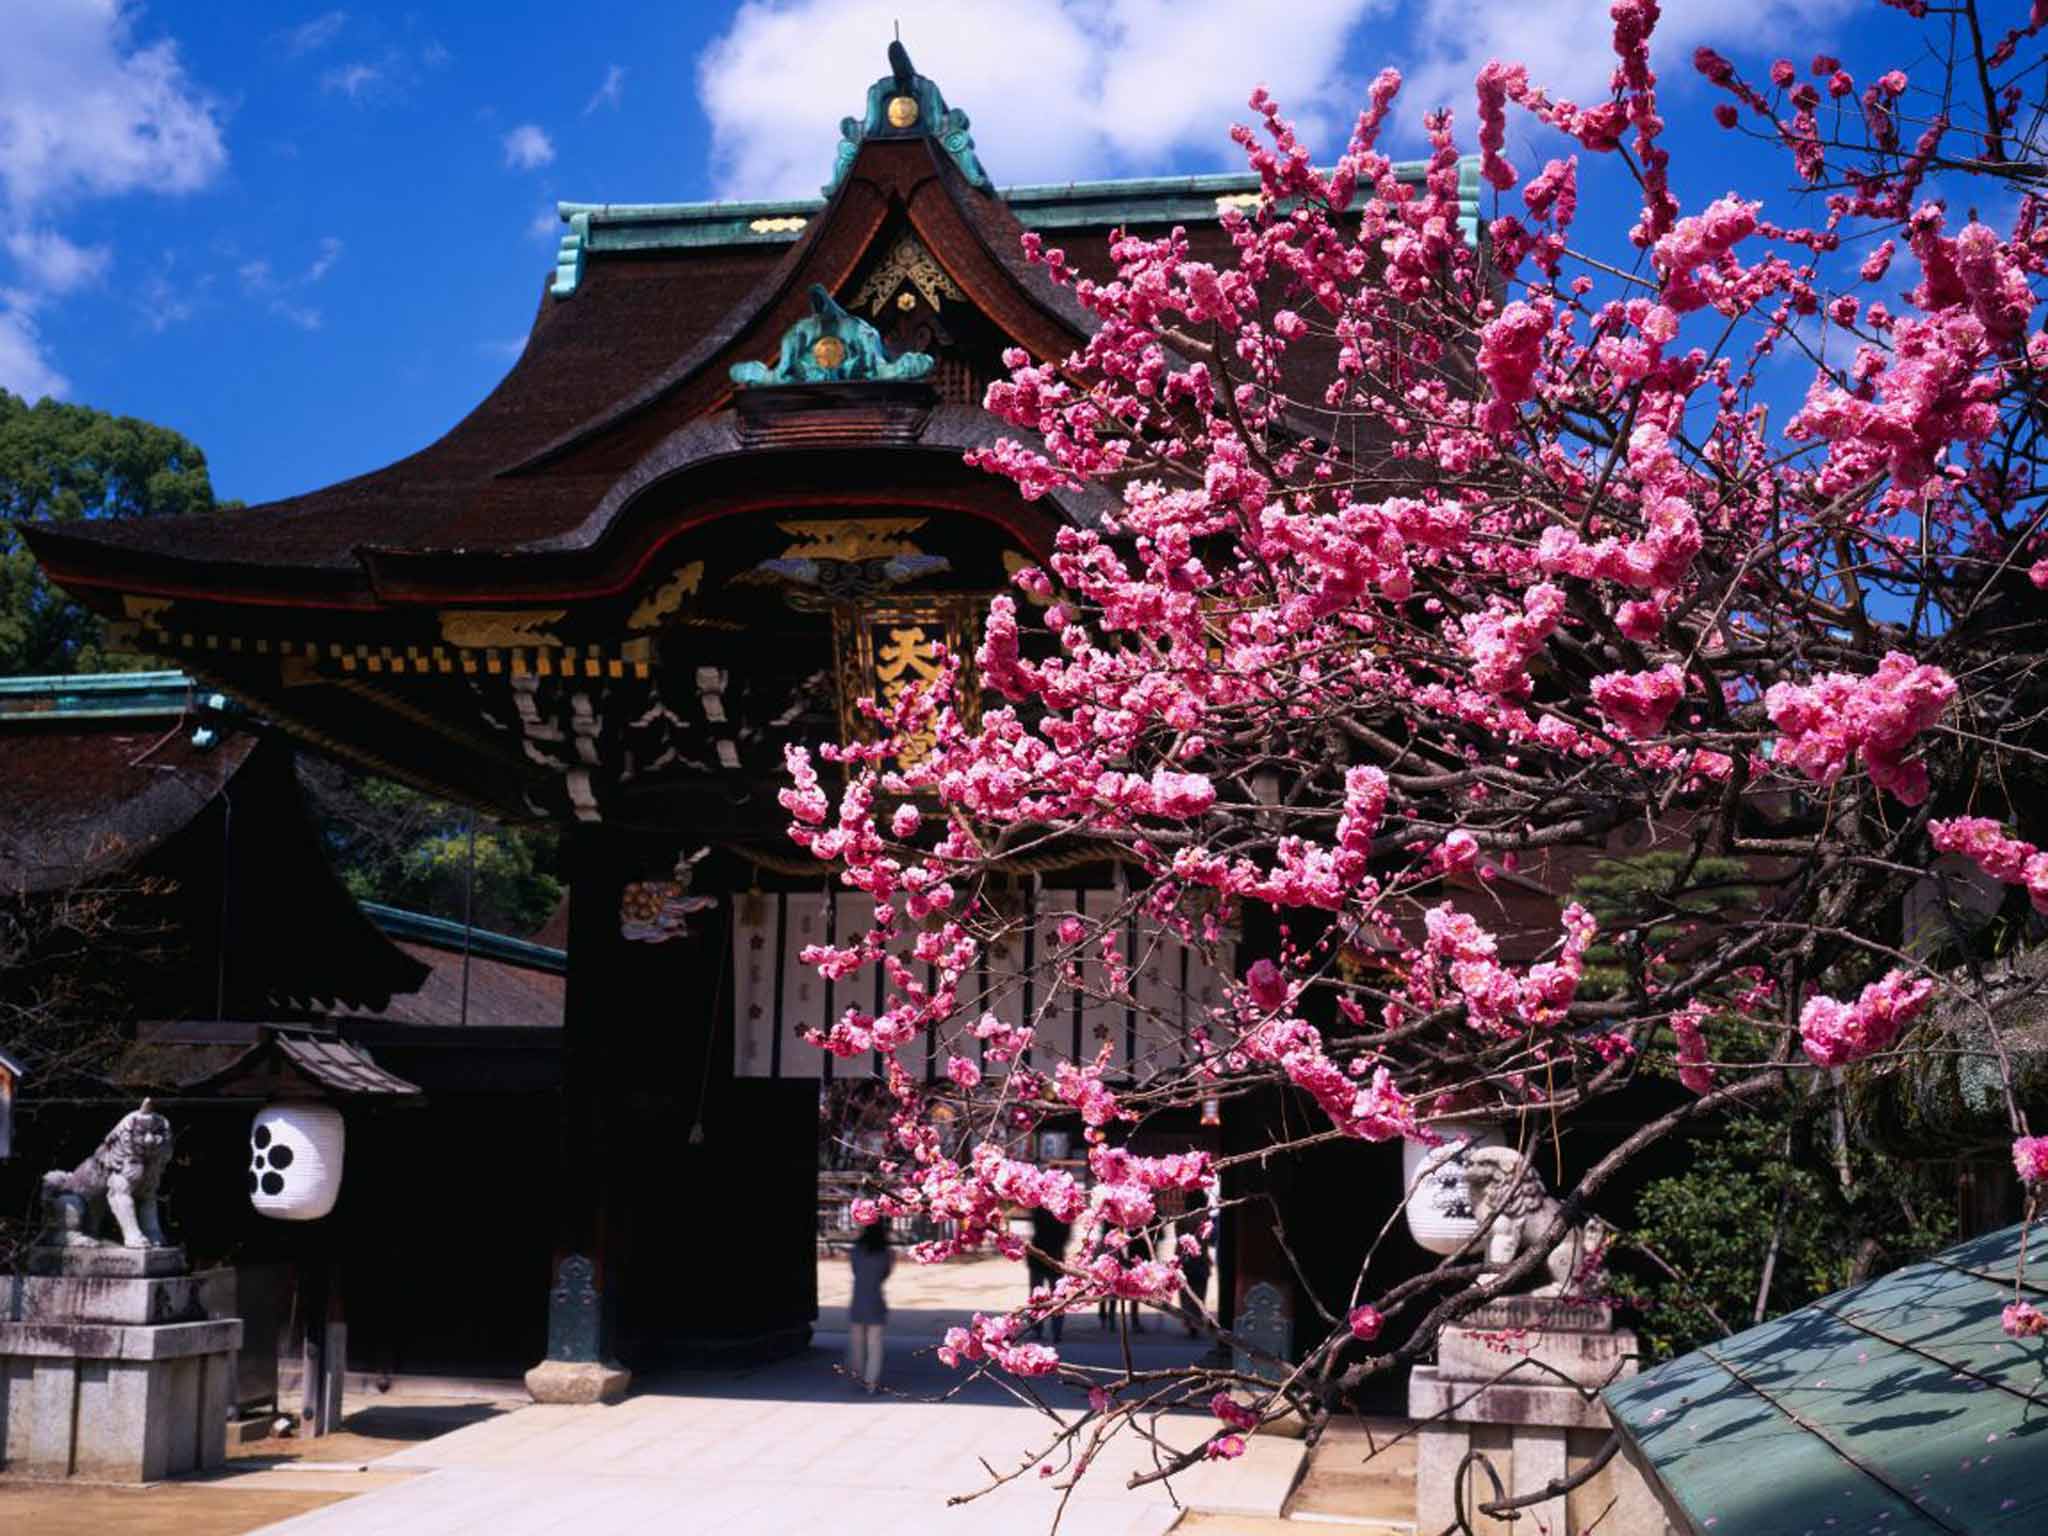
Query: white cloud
{"points": [[351, 80], [528, 148], [25, 367], [1567, 43], [504, 351], [330, 253], [547, 224], [50, 264], [165, 301], [1074, 88], [610, 92], [311, 36], [260, 281], [87, 111]]}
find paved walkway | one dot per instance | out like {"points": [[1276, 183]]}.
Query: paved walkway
{"points": [[791, 1447]]}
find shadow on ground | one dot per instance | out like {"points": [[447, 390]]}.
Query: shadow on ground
{"points": [[913, 1372]]}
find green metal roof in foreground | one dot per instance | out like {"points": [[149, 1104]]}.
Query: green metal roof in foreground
{"points": [[1895, 1408]]}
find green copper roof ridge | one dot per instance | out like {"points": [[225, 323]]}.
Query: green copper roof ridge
{"points": [[97, 696], [623, 227], [441, 933], [1032, 191]]}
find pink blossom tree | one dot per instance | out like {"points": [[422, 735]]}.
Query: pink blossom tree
{"points": [[1529, 561]]}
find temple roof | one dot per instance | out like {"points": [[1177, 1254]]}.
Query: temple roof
{"points": [[1139, 202], [576, 601], [646, 305], [97, 772], [146, 779]]}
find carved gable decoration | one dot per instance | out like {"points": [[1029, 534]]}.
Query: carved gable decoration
{"points": [[908, 265]]}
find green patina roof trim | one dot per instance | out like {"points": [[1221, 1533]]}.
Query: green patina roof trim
{"points": [[439, 933], [906, 105], [608, 228], [97, 695]]}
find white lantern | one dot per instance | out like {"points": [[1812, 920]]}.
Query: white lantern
{"points": [[1439, 1208], [295, 1160]]}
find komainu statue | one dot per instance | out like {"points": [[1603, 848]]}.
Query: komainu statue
{"points": [[1515, 1213], [121, 1178]]}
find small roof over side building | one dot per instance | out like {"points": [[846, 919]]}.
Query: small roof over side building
{"points": [[1897, 1406]]}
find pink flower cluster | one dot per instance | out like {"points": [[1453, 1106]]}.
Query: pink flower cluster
{"points": [[1234, 1413], [994, 1339], [2023, 1320], [1496, 999], [1637, 704], [1837, 1033], [2030, 1158], [1687, 1026], [1823, 723], [2009, 860]]}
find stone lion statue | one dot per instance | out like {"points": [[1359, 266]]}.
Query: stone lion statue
{"points": [[1515, 1212], [121, 1178]]}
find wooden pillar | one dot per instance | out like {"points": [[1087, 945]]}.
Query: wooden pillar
{"points": [[582, 1307]]}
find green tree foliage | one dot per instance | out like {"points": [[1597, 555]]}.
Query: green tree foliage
{"points": [[395, 845], [1647, 904], [67, 463], [1788, 1188]]}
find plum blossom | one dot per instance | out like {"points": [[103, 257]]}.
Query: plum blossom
{"points": [[2030, 1158], [2009, 860], [1823, 723], [1233, 1413], [1637, 704], [1836, 1033], [2023, 1320], [1693, 1070]]}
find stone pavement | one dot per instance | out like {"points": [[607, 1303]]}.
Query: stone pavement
{"points": [[791, 1447]]}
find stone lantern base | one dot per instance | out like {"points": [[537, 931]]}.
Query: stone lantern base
{"points": [[1517, 1383], [110, 1370]]}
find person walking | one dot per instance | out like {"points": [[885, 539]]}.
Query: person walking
{"points": [[1049, 1236], [865, 1316]]}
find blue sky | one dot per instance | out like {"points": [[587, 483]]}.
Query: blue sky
{"points": [[311, 237]]}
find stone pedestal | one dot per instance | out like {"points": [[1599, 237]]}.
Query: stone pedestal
{"points": [[577, 1381], [109, 1368], [1517, 1381]]}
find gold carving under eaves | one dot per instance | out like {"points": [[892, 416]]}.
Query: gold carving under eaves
{"points": [[852, 538], [665, 599], [885, 649], [907, 262], [482, 629]]}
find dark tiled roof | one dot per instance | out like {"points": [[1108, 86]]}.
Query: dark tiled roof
{"points": [[345, 1068], [83, 796], [500, 993]]}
